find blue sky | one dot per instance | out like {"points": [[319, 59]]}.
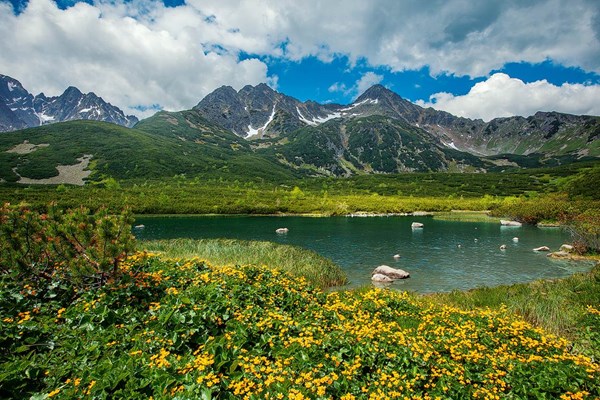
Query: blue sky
{"points": [[474, 59], [311, 78]]}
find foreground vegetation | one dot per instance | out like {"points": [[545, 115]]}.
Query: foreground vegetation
{"points": [[297, 262], [83, 317], [188, 329], [564, 307]]}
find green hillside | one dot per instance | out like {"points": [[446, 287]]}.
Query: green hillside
{"points": [[148, 152]]}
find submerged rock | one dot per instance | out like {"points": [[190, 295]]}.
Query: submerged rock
{"points": [[282, 230], [392, 273], [416, 225]]}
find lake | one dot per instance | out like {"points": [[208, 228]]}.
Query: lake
{"points": [[440, 257]]}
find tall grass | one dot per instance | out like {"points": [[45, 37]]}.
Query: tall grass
{"points": [[318, 270], [558, 306]]}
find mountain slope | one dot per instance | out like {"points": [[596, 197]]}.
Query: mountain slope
{"points": [[19, 109], [374, 144], [258, 112], [121, 152], [249, 112]]}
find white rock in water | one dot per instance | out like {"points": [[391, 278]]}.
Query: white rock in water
{"points": [[509, 223], [516, 239], [503, 247], [381, 278], [542, 248], [396, 256], [416, 225], [392, 273], [567, 248], [282, 230]]}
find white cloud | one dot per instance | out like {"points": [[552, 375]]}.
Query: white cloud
{"points": [[366, 81], [129, 62], [140, 52], [503, 96], [337, 87], [455, 36]]}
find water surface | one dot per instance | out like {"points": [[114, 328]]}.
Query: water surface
{"points": [[443, 256]]}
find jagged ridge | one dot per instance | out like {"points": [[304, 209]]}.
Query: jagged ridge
{"points": [[19, 109]]}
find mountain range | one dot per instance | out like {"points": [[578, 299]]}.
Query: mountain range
{"points": [[259, 112], [20, 109], [257, 129]]}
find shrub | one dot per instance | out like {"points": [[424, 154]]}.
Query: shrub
{"points": [[75, 247], [585, 230]]}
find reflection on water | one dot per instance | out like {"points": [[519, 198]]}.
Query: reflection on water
{"points": [[442, 256]]}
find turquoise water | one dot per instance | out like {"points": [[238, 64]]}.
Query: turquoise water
{"points": [[443, 256]]}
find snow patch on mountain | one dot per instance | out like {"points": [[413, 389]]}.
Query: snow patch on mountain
{"points": [[317, 120], [360, 103], [256, 132], [44, 118], [450, 145]]}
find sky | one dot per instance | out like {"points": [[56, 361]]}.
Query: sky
{"points": [[477, 59]]}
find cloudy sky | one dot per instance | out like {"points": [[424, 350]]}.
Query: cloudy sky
{"points": [[479, 59]]}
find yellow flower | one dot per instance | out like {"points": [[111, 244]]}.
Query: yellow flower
{"points": [[53, 393]]}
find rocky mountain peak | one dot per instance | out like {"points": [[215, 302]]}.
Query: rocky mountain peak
{"points": [[72, 91], [376, 92], [23, 110]]}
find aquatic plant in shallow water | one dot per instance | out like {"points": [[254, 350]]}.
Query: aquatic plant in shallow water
{"points": [[187, 329]]}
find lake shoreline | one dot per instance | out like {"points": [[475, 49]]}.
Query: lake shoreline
{"points": [[442, 256], [358, 214]]}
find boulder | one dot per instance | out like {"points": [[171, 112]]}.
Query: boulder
{"points": [[392, 273], [567, 248], [396, 256], [542, 248], [503, 247], [282, 230], [559, 254], [516, 239], [381, 278], [416, 225], [505, 222]]}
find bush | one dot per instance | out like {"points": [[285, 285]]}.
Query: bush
{"points": [[585, 230], [74, 247]]}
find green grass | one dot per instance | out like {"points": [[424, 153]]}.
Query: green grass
{"points": [[298, 262], [557, 306], [466, 216]]}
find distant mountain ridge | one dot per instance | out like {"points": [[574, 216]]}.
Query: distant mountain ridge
{"points": [[260, 133], [250, 111], [20, 109], [261, 112]]}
